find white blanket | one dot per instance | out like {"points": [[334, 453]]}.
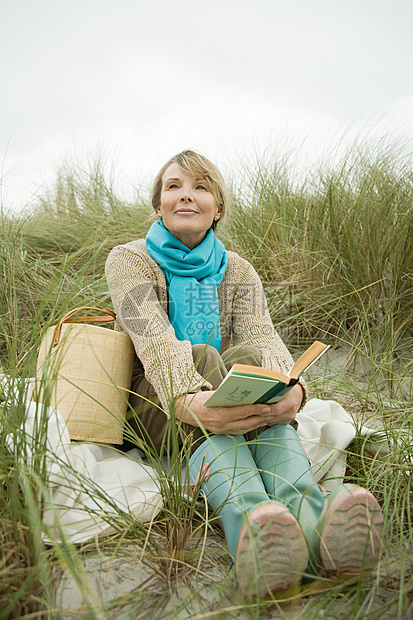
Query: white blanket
{"points": [[89, 484], [326, 430]]}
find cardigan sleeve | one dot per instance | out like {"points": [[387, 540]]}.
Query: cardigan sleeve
{"points": [[252, 324], [167, 362]]}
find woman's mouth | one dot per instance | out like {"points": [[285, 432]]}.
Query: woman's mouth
{"points": [[185, 212]]}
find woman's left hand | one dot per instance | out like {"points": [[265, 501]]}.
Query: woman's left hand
{"points": [[286, 409]]}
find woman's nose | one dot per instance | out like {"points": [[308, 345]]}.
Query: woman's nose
{"points": [[186, 195]]}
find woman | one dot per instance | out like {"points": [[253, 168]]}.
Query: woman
{"points": [[192, 309]]}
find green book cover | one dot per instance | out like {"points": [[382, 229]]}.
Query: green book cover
{"points": [[247, 385]]}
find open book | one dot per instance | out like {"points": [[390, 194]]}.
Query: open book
{"points": [[245, 385]]}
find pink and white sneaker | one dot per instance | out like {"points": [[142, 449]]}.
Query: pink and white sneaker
{"points": [[351, 538], [272, 552]]}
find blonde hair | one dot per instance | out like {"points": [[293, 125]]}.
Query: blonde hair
{"points": [[196, 165]]}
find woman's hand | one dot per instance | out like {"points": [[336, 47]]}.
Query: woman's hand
{"points": [[286, 409], [240, 419]]}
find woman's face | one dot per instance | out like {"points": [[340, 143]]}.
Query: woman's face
{"points": [[187, 206]]}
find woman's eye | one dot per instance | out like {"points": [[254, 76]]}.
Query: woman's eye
{"points": [[202, 187]]}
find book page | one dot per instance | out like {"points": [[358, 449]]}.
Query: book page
{"points": [[311, 355], [257, 371]]}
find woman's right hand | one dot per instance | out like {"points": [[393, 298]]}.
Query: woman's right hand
{"points": [[236, 420]]}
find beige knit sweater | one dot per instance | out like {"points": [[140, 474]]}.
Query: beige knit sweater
{"points": [[140, 299]]}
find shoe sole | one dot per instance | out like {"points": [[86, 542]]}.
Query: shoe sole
{"points": [[352, 533], [272, 553]]}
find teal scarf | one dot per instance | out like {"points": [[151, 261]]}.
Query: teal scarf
{"points": [[192, 277]]}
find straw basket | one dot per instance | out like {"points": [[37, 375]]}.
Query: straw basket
{"points": [[85, 371]]}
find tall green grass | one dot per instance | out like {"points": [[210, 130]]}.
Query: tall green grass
{"points": [[335, 252], [335, 256]]}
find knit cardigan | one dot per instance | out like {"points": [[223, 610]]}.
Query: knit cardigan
{"points": [[140, 299]]}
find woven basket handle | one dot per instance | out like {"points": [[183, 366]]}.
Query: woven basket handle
{"points": [[67, 318]]}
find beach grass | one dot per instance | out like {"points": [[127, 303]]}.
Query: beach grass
{"points": [[335, 256]]}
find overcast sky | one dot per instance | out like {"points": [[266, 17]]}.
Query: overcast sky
{"points": [[144, 79]]}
